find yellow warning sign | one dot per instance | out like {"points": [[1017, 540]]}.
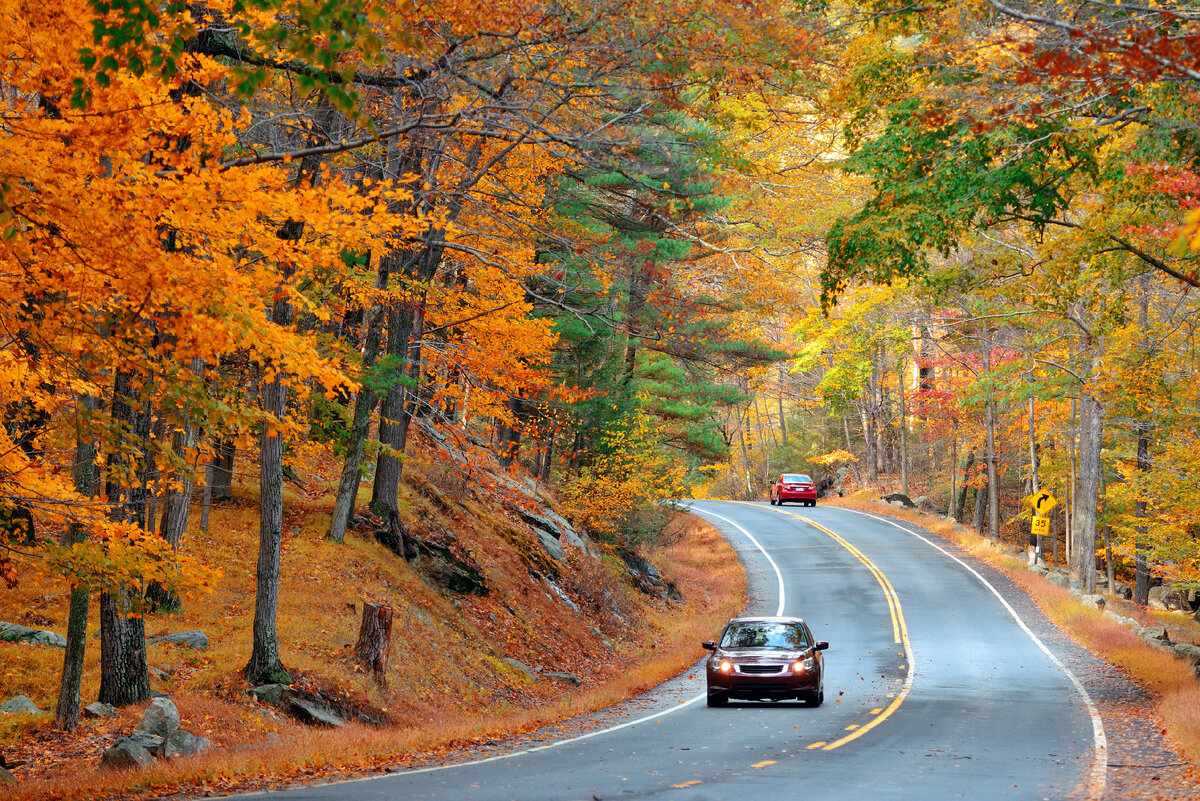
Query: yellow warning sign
{"points": [[1042, 502], [1040, 526]]}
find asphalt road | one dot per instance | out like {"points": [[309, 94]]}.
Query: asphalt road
{"points": [[935, 688]]}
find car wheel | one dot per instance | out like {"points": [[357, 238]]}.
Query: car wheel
{"points": [[815, 699], [812, 503], [717, 699]]}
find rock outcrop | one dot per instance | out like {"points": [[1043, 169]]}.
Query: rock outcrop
{"points": [[11, 632], [191, 639]]}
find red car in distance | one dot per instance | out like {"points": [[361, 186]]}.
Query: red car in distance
{"points": [[794, 487]]}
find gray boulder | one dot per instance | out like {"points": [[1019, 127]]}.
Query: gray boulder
{"points": [[550, 544], [1154, 635], [126, 754], [521, 666], [899, 499], [20, 704], [1187, 651], [273, 694], [1169, 599], [567, 678], [1124, 621], [191, 639], [151, 742], [314, 714], [161, 718], [1095, 601], [562, 596], [11, 632], [99, 710], [184, 744], [6, 777]]}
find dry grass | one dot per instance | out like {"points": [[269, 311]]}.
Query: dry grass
{"points": [[1170, 681], [446, 685]]}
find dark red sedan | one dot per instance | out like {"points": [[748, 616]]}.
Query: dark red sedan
{"points": [[766, 658], [793, 487]]}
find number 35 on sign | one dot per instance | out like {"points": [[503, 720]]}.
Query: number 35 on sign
{"points": [[1040, 526]]}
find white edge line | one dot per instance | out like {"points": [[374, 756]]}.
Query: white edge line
{"points": [[557, 743], [1099, 769], [762, 550]]}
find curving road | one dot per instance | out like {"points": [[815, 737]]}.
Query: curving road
{"points": [[935, 688]]}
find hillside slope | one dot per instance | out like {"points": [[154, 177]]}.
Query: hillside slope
{"points": [[504, 618]]}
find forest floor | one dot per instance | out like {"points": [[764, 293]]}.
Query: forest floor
{"points": [[452, 680], [1148, 699]]}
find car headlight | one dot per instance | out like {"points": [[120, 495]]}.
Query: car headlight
{"points": [[804, 665], [726, 666]]}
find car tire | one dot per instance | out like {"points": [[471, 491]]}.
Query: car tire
{"points": [[812, 503], [717, 699], [815, 699]]}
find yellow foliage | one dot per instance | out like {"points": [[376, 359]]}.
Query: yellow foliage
{"points": [[618, 496]]}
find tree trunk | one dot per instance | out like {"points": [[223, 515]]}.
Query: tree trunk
{"points": [[364, 405], [1056, 533], [509, 445], [1141, 565], [953, 474], [124, 674], [783, 432], [222, 470], [413, 365], [993, 494], [858, 483], [67, 710], [960, 505], [869, 445], [265, 666], [374, 639], [1087, 500], [206, 500], [1072, 480], [1034, 484], [981, 503]]}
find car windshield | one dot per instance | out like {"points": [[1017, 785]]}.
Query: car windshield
{"points": [[762, 634], [792, 478]]}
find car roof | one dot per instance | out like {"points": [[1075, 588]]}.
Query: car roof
{"points": [[766, 619]]}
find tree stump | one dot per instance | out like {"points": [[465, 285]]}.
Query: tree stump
{"points": [[374, 638]]}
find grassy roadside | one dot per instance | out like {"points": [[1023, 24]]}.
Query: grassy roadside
{"points": [[1170, 681], [431, 714]]}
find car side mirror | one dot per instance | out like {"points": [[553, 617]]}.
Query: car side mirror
{"points": [[821, 646], [709, 645]]}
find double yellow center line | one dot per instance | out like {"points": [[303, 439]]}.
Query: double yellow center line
{"points": [[899, 631]]}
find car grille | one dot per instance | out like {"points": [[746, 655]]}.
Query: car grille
{"points": [[760, 670]]}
